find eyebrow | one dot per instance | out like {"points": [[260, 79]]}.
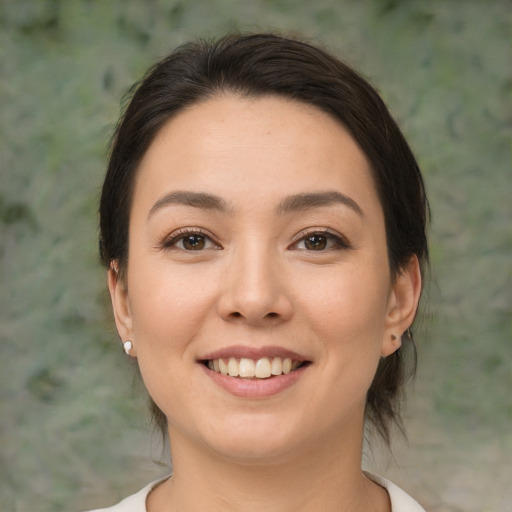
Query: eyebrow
{"points": [[293, 203], [194, 199], [300, 202]]}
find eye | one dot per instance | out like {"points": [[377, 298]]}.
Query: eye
{"points": [[320, 241], [187, 240]]}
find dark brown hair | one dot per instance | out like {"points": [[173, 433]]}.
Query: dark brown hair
{"points": [[266, 64]]}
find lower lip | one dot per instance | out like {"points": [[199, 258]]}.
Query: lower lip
{"points": [[255, 388]]}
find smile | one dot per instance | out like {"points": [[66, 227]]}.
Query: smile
{"points": [[254, 373], [262, 368]]}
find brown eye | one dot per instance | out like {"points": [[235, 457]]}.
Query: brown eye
{"points": [[187, 240], [321, 241], [193, 242], [315, 242]]}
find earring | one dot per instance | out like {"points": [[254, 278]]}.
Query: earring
{"points": [[127, 346], [396, 339]]}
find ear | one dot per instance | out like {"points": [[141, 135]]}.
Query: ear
{"points": [[403, 303], [121, 305]]}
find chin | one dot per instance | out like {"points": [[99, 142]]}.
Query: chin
{"points": [[251, 453], [254, 441]]}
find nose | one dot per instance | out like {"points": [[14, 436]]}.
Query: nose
{"points": [[255, 289]]}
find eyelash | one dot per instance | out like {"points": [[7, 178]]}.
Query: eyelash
{"points": [[179, 235], [338, 242]]}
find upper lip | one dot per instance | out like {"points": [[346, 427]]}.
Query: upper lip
{"points": [[240, 351]]}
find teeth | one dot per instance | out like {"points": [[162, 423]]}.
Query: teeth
{"points": [[246, 368], [249, 368], [222, 366], [277, 366], [263, 368], [233, 367]]}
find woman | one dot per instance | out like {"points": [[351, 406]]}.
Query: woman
{"points": [[263, 225]]}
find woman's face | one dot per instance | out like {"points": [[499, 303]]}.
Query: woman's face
{"points": [[257, 240]]}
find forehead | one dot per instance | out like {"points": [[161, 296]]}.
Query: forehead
{"points": [[254, 148]]}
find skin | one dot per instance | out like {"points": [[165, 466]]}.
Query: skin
{"points": [[257, 283]]}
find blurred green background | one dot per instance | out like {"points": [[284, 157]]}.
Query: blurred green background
{"points": [[74, 429]]}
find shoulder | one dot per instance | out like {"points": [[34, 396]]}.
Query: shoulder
{"points": [[400, 501], [134, 503]]}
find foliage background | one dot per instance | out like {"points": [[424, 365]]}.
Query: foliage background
{"points": [[74, 432]]}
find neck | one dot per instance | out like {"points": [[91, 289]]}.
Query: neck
{"points": [[320, 477]]}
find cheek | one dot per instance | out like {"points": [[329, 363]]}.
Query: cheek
{"points": [[349, 302], [168, 312], [169, 305], [347, 318]]}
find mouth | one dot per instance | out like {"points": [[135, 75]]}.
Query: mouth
{"points": [[254, 373], [255, 369]]}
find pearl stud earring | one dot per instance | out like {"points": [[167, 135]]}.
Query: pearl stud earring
{"points": [[127, 346]]}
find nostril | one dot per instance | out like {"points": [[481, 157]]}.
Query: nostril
{"points": [[272, 314]]}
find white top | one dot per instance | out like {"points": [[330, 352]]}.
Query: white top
{"points": [[400, 501]]}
